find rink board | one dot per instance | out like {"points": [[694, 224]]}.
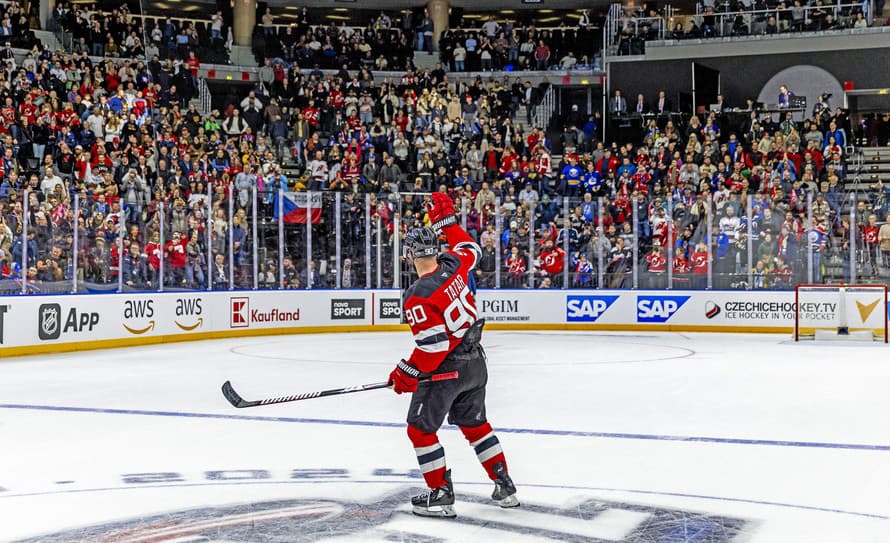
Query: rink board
{"points": [[44, 324]]}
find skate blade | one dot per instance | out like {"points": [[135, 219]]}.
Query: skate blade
{"points": [[438, 511], [509, 501]]}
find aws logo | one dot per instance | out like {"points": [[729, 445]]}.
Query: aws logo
{"points": [[139, 315], [189, 310], [139, 310]]}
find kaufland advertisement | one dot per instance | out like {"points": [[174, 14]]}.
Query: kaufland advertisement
{"points": [[44, 323]]}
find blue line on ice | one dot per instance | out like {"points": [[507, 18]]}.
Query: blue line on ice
{"points": [[531, 431]]}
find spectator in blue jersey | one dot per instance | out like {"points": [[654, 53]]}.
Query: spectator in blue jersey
{"points": [[840, 137], [588, 208], [583, 271], [626, 166], [463, 178], [593, 180], [570, 177]]}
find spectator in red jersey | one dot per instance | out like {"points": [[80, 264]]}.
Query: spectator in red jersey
{"points": [[194, 65], [515, 268], [553, 259], [700, 261], [153, 251], [657, 264], [870, 235], [175, 253]]}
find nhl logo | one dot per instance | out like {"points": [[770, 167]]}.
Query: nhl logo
{"points": [[49, 325]]}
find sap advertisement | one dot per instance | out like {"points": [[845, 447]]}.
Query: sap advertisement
{"points": [[37, 324]]}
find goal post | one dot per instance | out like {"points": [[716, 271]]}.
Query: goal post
{"points": [[841, 312]]}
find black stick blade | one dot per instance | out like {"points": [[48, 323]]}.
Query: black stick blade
{"points": [[234, 398]]}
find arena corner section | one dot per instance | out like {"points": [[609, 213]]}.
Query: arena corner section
{"points": [[45, 324]]}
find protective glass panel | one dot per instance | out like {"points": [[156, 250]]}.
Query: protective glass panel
{"points": [[140, 217], [294, 216], [654, 258], [384, 209], [730, 242], [352, 241], [410, 215], [177, 237], [47, 254]]}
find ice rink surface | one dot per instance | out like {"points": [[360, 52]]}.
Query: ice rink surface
{"points": [[610, 437]]}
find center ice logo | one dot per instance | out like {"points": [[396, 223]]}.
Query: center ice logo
{"points": [[309, 520], [658, 308]]}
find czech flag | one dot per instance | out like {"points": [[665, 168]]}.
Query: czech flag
{"points": [[300, 205]]}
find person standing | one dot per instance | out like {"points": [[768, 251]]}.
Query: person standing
{"points": [[441, 309]]}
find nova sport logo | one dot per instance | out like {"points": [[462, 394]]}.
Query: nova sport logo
{"points": [[658, 308]]}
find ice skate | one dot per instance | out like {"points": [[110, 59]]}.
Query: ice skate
{"points": [[504, 489], [436, 502]]}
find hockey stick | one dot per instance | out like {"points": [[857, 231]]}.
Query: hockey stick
{"points": [[237, 401]]}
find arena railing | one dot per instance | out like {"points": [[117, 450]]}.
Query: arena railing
{"points": [[624, 23], [330, 239], [756, 20], [136, 18]]}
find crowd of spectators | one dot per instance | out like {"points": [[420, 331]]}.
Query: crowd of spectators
{"points": [[389, 42], [382, 44], [500, 44], [80, 28], [158, 185], [715, 19]]}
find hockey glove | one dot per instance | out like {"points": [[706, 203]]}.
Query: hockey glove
{"points": [[404, 378], [441, 211]]}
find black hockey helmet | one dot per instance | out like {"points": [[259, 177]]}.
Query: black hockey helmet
{"points": [[421, 242]]}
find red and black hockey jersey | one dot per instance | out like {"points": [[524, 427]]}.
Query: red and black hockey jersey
{"points": [[440, 306]]}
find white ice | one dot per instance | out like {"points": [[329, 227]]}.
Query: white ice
{"points": [[796, 443]]}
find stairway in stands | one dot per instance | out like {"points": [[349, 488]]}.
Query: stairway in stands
{"points": [[865, 168], [425, 61], [875, 165]]}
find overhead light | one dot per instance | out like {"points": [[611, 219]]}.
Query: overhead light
{"points": [[549, 20]]}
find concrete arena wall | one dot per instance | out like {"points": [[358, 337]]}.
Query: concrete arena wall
{"points": [[46, 324]]}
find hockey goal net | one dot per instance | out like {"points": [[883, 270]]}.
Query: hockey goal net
{"points": [[840, 312]]}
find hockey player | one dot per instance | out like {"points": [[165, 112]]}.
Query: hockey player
{"points": [[441, 310]]}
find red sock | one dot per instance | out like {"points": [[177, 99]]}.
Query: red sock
{"points": [[430, 456], [488, 448]]}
